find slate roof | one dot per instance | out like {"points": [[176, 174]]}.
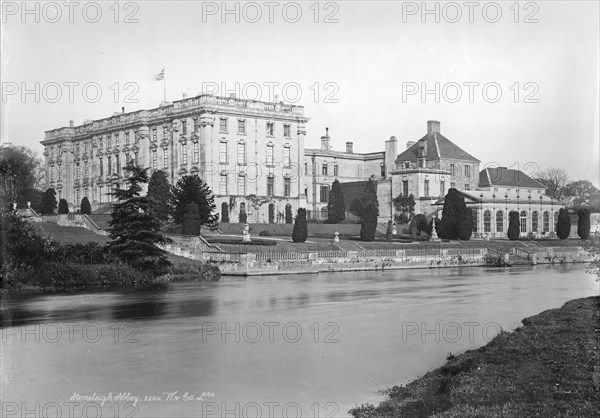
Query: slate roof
{"points": [[438, 146], [504, 177]]}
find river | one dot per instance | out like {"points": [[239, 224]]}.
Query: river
{"points": [[303, 345]]}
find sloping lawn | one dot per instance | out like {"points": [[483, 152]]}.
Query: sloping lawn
{"points": [[70, 234]]}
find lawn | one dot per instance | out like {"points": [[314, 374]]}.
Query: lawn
{"points": [[70, 234]]}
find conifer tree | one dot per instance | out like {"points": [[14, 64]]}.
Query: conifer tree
{"points": [[85, 208], [191, 220], [49, 203], [368, 225], [134, 231], [369, 196], [457, 220], [63, 207], [563, 226], [191, 189], [583, 223], [336, 207], [300, 232], [159, 195], [514, 225]]}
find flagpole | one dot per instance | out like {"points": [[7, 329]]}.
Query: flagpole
{"points": [[165, 84]]}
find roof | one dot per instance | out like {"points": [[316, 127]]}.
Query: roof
{"points": [[438, 146], [488, 196], [502, 176]]}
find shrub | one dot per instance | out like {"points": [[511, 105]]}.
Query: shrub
{"points": [[514, 225], [196, 270], [271, 213], [63, 207], [405, 208], [583, 223], [243, 217], [563, 226], [336, 207], [457, 221], [289, 217], [159, 195], [225, 213], [465, 224], [49, 203], [85, 208], [264, 233], [300, 232], [368, 226]]}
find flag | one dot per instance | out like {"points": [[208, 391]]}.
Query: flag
{"points": [[160, 76]]}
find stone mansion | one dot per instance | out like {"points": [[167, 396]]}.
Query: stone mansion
{"points": [[252, 156]]}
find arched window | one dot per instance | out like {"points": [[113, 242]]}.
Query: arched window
{"points": [[499, 221], [534, 222], [474, 213], [546, 220], [487, 221], [555, 220], [523, 221]]}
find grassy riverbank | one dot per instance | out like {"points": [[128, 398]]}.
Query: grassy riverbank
{"points": [[549, 367]]}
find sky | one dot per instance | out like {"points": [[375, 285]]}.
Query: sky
{"points": [[515, 84]]}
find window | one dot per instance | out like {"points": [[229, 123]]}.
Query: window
{"points": [[453, 169], [154, 136], [487, 221], [336, 170], [77, 195], [51, 173], [270, 149], [382, 173], [126, 140], [324, 193], [223, 128], [452, 185], [270, 186], [475, 220], [85, 169], [495, 189], [426, 187], [195, 124], [184, 153], [223, 184], [306, 191], [442, 188], [270, 128], [324, 169], [546, 222], [77, 149], [165, 158], [555, 220], [406, 164], [534, 222], [109, 164], [287, 187], [467, 171], [100, 194], [184, 127], [305, 169], [223, 152], [85, 150], [499, 221], [405, 188], [154, 160], [242, 127], [196, 151], [241, 153], [77, 171], [523, 220], [165, 132], [118, 161], [286, 131], [137, 161], [467, 186], [286, 156], [241, 186], [117, 140], [108, 141]]}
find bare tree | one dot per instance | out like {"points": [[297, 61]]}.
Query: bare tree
{"points": [[555, 180]]}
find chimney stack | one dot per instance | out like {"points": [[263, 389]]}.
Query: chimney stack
{"points": [[349, 147], [71, 123], [433, 126], [122, 109], [184, 95], [409, 144], [325, 140]]}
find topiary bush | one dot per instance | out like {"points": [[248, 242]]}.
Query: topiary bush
{"points": [[225, 213], [63, 207], [300, 232], [583, 223], [563, 226], [271, 213], [289, 217], [85, 208], [457, 220], [514, 225]]}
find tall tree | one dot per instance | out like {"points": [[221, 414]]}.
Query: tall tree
{"points": [[457, 221], [63, 207], [49, 203], [336, 207], [300, 231], [581, 194], [17, 176], [405, 208], [159, 195], [191, 220], [555, 181], [563, 226], [191, 189], [514, 225], [85, 208], [369, 197], [135, 232], [368, 225]]}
